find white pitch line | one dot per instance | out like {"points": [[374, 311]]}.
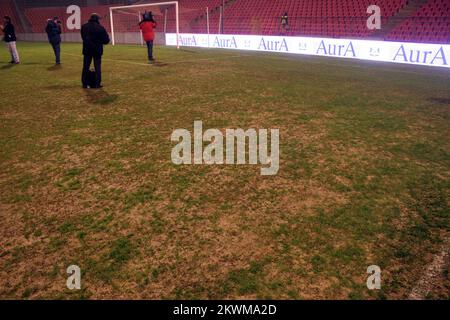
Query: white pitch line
{"points": [[167, 63], [380, 66], [211, 59], [432, 275]]}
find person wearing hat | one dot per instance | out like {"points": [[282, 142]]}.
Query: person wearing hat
{"points": [[10, 39], [147, 26], [53, 30], [94, 37]]}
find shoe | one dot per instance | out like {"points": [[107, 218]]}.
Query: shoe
{"points": [[17, 62], [85, 87], [12, 62], [98, 87]]}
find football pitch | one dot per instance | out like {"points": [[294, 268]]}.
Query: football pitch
{"points": [[86, 177]]}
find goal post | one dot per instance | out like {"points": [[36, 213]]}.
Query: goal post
{"points": [[129, 14]]}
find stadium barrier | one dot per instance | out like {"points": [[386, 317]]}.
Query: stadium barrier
{"points": [[435, 55], [121, 37]]}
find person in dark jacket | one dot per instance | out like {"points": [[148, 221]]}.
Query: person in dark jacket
{"points": [[94, 37], [10, 39], [53, 30]]}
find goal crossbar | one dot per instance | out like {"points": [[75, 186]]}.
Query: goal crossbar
{"points": [[137, 6]]}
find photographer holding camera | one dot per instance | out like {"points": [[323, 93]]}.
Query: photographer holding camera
{"points": [[147, 26], [54, 31]]}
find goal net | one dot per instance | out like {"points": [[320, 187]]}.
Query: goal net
{"points": [[125, 20]]}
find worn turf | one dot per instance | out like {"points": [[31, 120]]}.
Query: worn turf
{"points": [[86, 177]]}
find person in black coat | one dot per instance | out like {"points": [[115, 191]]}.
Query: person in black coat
{"points": [[53, 30], [94, 37], [10, 39]]}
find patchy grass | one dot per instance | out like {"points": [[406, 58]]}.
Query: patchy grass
{"points": [[86, 177]]}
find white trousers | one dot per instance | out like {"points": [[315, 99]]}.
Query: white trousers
{"points": [[13, 51]]}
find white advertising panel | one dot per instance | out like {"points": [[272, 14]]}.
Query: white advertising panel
{"points": [[434, 55]]}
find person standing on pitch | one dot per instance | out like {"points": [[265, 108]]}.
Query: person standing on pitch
{"points": [[147, 25], [10, 39], [94, 37], [53, 30]]}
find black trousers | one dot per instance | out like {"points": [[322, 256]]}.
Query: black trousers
{"points": [[86, 67], [150, 50], [57, 49]]}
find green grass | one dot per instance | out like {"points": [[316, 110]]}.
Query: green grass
{"points": [[86, 176]]}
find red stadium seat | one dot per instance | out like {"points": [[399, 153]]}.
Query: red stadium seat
{"points": [[430, 23], [330, 18]]}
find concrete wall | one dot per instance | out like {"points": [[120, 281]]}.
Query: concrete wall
{"points": [[121, 37]]}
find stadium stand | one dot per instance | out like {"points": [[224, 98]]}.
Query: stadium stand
{"points": [[38, 16], [310, 18], [429, 22], [127, 22], [7, 8]]}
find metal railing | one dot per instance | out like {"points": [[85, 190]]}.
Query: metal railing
{"points": [[338, 27]]}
